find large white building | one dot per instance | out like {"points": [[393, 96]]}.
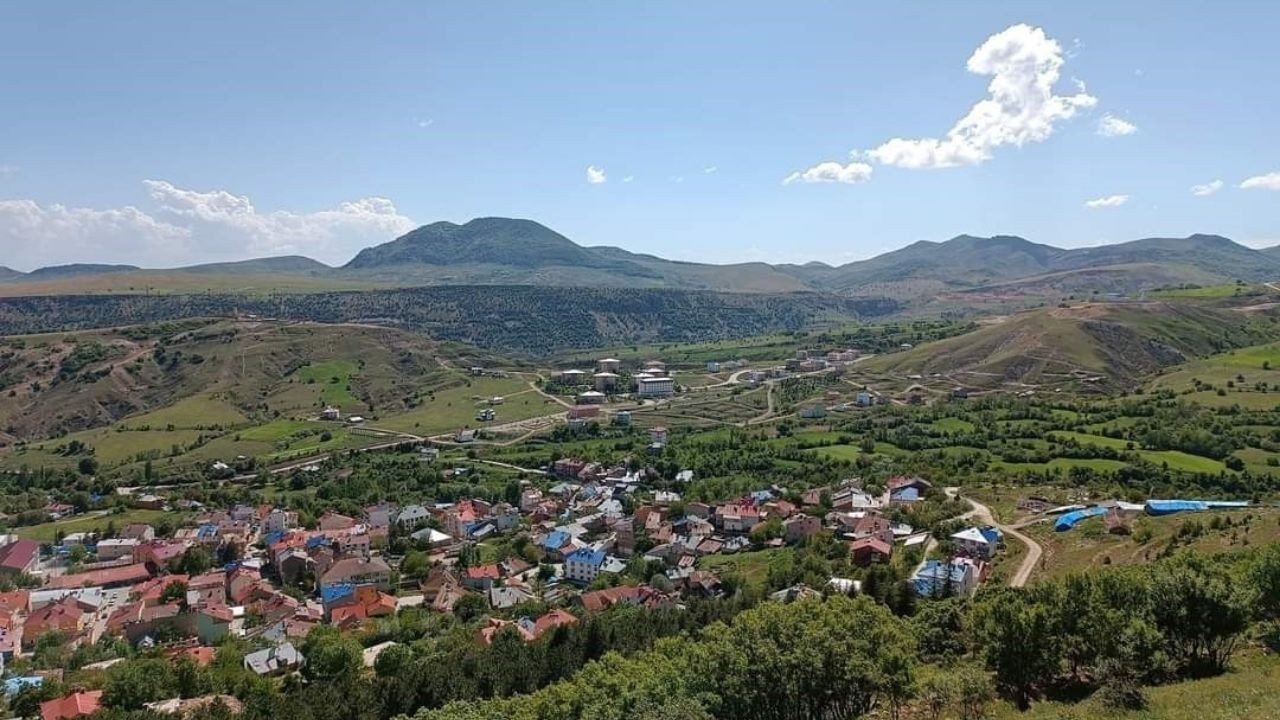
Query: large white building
{"points": [[655, 387]]}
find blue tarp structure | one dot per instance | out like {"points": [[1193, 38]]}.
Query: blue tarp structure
{"points": [[1168, 507], [1075, 517], [330, 593]]}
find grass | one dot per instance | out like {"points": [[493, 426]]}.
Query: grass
{"points": [[47, 532], [197, 411], [752, 567], [952, 425], [1246, 692], [454, 408], [1089, 546], [334, 379]]}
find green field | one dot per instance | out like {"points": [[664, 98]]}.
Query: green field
{"points": [[454, 408], [46, 532], [197, 411]]}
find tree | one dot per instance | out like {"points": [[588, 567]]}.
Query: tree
{"points": [[176, 590], [331, 654], [194, 561], [1200, 614], [134, 683], [470, 607], [88, 466], [1018, 642]]}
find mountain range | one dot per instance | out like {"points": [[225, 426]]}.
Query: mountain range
{"points": [[500, 251]]}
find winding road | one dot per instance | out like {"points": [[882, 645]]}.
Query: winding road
{"points": [[1034, 551]]}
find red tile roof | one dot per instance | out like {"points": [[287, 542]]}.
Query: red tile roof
{"points": [[18, 556], [111, 576], [74, 705]]}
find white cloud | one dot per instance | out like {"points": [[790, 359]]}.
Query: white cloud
{"points": [[426, 123], [1107, 202], [628, 178], [189, 226], [1270, 181], [1112, 126], [595, 175], [854, 172], [1206, 189], [56, 234], [1021, 107], [7, 170], [710, 170]]}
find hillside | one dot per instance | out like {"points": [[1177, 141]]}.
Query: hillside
{"points": [[525, 319], [1117, 343], [54, 384]]}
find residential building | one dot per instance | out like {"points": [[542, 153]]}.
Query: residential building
{"points": [[19, 557], [276, 660], [980, 543], [583, 565], [358, 571], [655, 387], [77, 704]]}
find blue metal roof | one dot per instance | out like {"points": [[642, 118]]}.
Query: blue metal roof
{"points": [[587, 556], [1069, 520]]}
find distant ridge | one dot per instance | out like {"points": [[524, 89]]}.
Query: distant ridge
{"points": [[507, 251]]}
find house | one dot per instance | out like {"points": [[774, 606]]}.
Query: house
{"points": [[412, 516], [366, 602], [282, 658], [738, 517], [77, 704], [331, 413], [977, 542], [19, 557], [481, 577], [141, 532], [279, 521], [800, 527], [591, 397], [941, 579], [608, 365], [505, 598], [583, 565], [66, 616], [116, 548], [868, 550], [358, 571]]}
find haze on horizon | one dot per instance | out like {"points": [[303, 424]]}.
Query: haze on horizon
{"points": [[688, 132]]}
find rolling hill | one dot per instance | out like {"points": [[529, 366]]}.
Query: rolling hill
{"points": [[505, 251], [1116, 344], [54, 384]]}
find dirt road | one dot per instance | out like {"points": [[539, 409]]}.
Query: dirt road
{"points": [[1034, 551]]}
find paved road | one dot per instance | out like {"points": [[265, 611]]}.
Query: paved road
{"points": [[1034, 551]]}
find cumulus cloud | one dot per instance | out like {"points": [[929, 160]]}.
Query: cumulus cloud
{"points": [[1270, 181], [190, 226], [710, 170], [628, 178], [1022, 106], [1206, 189], [595, 175], [1107, 202], [854, 172], [1112, 126]]}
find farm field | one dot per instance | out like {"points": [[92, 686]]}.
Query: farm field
{"points": [[455, 407], [47, 532]]}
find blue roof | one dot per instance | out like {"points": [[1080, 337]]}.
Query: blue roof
{"points": [[1069, 520], [207, 530], [316, 541], [909, 494], [15, 685], [1165, 507], [762, 495], [991, 534], [927, 581], [556, 540], [336, 591], [587, 556], [273, 538]]}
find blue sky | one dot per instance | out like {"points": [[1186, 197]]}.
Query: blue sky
{"points": [[165, 133]]}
